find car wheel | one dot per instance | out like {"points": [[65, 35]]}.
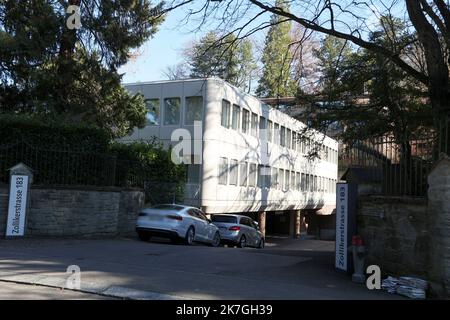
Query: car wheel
{"points": [[190, 236], [242, 242], [216, 240], [261, 244], [144, 236]]}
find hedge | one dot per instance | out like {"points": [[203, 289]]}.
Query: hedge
{"points": [[52, 133]]}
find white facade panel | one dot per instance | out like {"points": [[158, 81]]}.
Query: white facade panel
{"points": [[233, 144]]}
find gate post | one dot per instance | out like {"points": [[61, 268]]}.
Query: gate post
{"points": [[439, 226]]}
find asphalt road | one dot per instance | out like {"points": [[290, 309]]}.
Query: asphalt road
{"points": [[285, 269]]}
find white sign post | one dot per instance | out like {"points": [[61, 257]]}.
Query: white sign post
{"points": [[346, 197], [341, 226], [21, 178]]}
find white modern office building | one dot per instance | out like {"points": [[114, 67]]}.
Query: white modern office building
{"points": [[244, 157]]}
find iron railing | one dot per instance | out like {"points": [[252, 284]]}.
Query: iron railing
{"points": [[397, 167], [63, 167], [59, 166]]}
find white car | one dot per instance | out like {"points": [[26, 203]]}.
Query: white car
{"points": [[177, 222]]}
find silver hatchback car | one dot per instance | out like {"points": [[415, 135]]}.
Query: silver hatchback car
{"points": [[238, 230]]}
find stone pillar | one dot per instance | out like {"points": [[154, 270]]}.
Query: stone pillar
{"points": [[294, 224], [439, 226], [262, 222]]}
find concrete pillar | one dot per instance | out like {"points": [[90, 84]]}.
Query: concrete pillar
{"points": [[294, 224], [439, 227], [262, 222]]}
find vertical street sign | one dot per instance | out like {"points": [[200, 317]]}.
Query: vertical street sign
{"points": [[346, 197], [20, 179]]}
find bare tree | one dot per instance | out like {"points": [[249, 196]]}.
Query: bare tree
{"points": [[428, 22]]}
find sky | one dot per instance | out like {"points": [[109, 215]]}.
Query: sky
{"points": [[165, 48]]}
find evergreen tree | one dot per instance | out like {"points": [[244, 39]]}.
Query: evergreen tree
{"points": [[45, 67], [276, 79], [394, 104], [223, 57]]}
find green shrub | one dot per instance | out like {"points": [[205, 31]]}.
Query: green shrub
{"points": [[52, 133], [150, 165]]}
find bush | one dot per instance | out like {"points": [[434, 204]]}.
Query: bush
{"points": [[150, 165], [52, 133]]}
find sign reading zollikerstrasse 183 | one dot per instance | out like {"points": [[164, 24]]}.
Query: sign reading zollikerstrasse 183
{"points": [[341, 226], [17, 206]]}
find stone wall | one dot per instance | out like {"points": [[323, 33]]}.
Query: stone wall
{"points": [[77, 212], [439, 226], [395, 233]]}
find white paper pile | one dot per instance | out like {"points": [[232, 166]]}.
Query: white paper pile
{"points": [[413, 282], [414, 293], [390, 284], [407, 286]]}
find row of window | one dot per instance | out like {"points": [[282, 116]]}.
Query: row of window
{"points": [[242, 120], [233, 172], [171, 114]]}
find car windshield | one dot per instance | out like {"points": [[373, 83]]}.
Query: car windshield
{"points": [[225, 219], [167, 207]]}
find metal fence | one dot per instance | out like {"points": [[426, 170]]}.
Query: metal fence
{"points": [[59, 167], [62, 167], [397, 168]]}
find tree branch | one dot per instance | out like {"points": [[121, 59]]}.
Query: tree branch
{"points": [[394, 57]]}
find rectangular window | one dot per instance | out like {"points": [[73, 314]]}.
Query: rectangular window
{"points": [[282, 136], [298, 182], [261, 177], [287, 178], [270, 131], [293, 184], [234, 172], [303, 183], [153, 112], [303, 145], [281, 179], [193, 171], [294, 140], [254, 124], [288, 138], [267, 177], [315, 184], [194, 110], [307, 184], [252, 175], [276, 133], [225, 114], [245, 120], [262, 129], [274, 183], [172, 111], [223, 171], [235, 118], [243, 173]]}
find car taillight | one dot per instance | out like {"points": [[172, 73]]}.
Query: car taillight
{"points": [[234, 228], [175, 217]]}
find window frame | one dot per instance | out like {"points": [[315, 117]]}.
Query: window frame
{"points": [[165, 117]]}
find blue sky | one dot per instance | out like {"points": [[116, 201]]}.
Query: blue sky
{"points": [[164, 49]]}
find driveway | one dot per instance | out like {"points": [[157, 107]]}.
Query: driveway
{"points": [[129, 268]]}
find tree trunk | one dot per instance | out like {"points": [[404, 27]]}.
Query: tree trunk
{"points": [[437, 68]]}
